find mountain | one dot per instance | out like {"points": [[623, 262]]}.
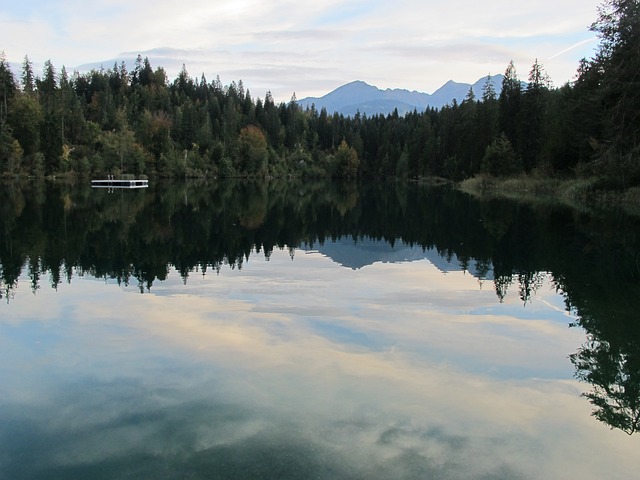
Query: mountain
{"points": [[359, 96], [355, 255]]}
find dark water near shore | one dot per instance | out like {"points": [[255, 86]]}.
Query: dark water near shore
{"points": [[313, 330]]}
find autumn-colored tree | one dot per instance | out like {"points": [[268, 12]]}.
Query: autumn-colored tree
{"points": [[347, 161], [252, 151]]}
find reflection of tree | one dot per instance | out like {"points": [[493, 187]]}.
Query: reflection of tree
{"points": [[135, 237], [614, 373], [6, 290], [528, 284], [346, 197], [602, 289]]}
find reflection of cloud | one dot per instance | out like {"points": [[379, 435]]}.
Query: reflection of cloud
{"points": [[259, 368], [237, 443], [126, 424]]}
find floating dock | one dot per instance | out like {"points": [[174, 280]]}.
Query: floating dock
{"points": [[118, 183]]}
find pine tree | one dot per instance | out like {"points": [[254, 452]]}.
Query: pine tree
{"points": [[7, 86], [488, 91], [51, 129], [28, 80], [533, 112], [488, 113], [618, 58], [510, 106]]}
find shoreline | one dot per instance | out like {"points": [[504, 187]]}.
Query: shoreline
{"points": [[584, 194]]}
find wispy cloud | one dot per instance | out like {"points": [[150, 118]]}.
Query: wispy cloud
{"points": [[409, 43], [574, 46]]}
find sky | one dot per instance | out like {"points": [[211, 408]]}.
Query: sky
{"points": [[306, 48]]}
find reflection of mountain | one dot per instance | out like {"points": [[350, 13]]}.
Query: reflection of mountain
{"points": [[356, 254]]}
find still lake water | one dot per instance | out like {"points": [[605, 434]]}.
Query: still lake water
{"points": [[290, 331]]}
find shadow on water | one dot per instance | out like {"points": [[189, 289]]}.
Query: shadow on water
{"points": [[136, 236]]}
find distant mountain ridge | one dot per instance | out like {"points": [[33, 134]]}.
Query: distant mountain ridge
{"points": [[359, 96], [357, 254]]}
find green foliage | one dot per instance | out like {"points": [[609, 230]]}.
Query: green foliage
{"points": [[37, 167], [10, 151], [8, 86], [28, 79], [488, 91], [500, 159], [533, 115], [610, 81], [402, 167], [226, 168], [252, 151], [452, 167], [26, 118], [347, 161], [510, 102]]}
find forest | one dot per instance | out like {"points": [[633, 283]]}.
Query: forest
{"points": [[115, 122]]}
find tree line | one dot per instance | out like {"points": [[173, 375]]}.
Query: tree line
{"points": [[115, 121]]}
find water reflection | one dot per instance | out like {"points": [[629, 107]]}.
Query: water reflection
{"points": [[614, 372], [264, 367], [233, 372]]}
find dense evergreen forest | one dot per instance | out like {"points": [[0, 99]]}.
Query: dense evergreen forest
{"points": [[114, 121]]}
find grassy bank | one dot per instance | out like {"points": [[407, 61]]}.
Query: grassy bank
{"points": [[581, 193]]}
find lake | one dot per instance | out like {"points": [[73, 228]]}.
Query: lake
{"points": [[293, 330]]}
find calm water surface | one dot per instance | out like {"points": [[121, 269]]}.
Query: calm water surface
{"points": [[288, 330]]}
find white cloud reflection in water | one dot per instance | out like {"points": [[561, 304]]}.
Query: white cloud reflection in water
{"points": [[298, 369]]}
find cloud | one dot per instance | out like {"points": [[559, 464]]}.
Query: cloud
{"points": [[574, 46], [310, 35], [406, 44], [479, 53]]}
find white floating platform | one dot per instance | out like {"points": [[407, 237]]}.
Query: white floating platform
{"points": [[117, 183]]}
